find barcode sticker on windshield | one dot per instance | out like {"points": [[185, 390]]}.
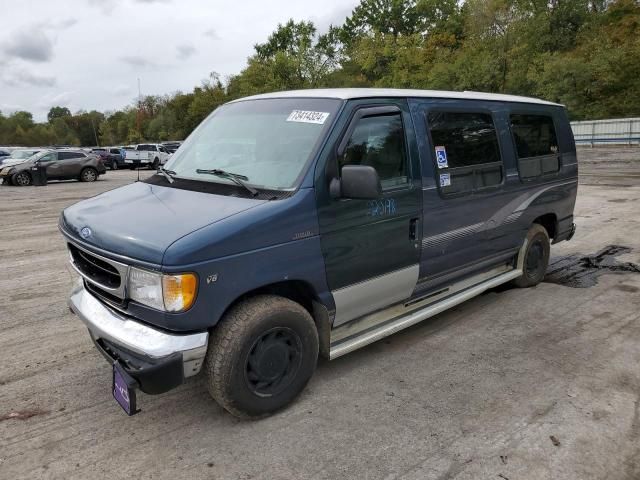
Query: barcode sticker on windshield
{"points": [[306, 116]]}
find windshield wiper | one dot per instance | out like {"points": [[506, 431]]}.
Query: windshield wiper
{"points": [[234, 177], [168, 174]]}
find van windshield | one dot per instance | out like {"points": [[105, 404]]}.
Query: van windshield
{"points": [[267, 141]]}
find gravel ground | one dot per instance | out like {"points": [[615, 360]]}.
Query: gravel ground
{"points": [[515, 384]]}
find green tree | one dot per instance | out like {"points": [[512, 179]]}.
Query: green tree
{"points": [[58, 112]]}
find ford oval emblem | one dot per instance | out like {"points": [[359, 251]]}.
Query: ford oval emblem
{"points": [[85, 232]]}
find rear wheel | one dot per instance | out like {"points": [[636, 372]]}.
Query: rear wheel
{"points": [[21, 179], [114, 165], [155, 164], [89, 174], [536, 257], [261, 356]]}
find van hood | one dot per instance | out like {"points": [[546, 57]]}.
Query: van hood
{"points": [[140, 220]]}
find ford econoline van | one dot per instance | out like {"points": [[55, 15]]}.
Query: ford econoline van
{"points": [[305, 223]]}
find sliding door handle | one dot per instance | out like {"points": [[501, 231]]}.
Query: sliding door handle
{"points": [[413, 228]]}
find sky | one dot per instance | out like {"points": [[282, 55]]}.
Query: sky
{"points": [[89, 54]]}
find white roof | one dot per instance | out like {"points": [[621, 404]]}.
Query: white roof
{"points": [[349, 93]]}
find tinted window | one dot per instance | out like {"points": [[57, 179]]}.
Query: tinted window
{"points": [[49, 157], [467, 151], [70, 155], [537, 145], [534, 135], [468, 138], [379, 143]]}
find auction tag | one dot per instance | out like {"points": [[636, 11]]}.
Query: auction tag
{"points": [[441, 157], [445, 179], [123, 388], [306, 116]]}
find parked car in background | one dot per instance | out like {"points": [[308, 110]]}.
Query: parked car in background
{"points": [[111, 156], [4, 153], [150, 155], [18, 155], [171, 147], [60, 165]]}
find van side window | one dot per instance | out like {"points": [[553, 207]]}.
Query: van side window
{"points": [[467, 144], [536, 144], [378, 141]]}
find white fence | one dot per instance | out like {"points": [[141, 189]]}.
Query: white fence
{"points": [[620, 131]]}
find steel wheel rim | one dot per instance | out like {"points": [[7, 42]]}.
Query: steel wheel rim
{"points": [[533, 263], [273, 361]]}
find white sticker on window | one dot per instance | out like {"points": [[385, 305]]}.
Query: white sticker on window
{"points": [[306, 116], [445, 179], [441, 157]]}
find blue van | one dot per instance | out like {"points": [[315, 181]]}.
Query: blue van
{"points": [[296, 224]]}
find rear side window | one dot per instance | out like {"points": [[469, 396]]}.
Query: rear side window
{"points": [[378, 142], [536, 144], [466, 150]]}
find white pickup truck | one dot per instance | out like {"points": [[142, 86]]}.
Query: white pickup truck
{"points": [[151, 155]]}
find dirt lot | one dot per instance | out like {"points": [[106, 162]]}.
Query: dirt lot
{"points": [[515, 384]]}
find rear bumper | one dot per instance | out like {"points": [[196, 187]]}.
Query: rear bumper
{"points": [[157, 360], [566, 234]]}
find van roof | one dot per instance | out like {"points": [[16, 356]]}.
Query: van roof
{"points": [[350, 93]]}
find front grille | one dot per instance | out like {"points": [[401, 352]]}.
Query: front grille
{"points": [[95, 269], [104, 295]]}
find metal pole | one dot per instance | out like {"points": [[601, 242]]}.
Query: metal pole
{"points": [[593, 133], [94, 132]]}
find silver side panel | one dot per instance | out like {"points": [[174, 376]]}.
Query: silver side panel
{"points": [[371, 328], [365, 297]]}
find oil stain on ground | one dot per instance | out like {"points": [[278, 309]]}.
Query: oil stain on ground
{"points": [[580, 271]]}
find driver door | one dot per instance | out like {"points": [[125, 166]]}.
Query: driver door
{"points": [[50, 161], [370, 247]]}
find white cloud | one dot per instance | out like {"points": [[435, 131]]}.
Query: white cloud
{"points": [[185, 51], [211, 33], [98, 49], [62, 99], [30, 44], [20, 77]]}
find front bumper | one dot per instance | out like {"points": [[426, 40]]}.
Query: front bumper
{"points": [[159, 361]]}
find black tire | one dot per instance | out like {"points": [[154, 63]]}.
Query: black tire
{"points": [[261, 356], [536, 257], [155, 164], [114, 165], [88, 174], [132, 167], [21, 179]]}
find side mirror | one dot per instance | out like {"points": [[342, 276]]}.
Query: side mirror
{"points": [[357, 181]]}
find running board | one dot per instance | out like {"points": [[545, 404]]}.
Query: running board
{"points": [[371, 328]]}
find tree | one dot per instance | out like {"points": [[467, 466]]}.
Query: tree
{"points": [[58, 112]]}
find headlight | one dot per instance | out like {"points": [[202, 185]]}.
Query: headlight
{"points": [[172, 293]]}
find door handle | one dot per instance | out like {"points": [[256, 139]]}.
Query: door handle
{"points": [[413, 228]]}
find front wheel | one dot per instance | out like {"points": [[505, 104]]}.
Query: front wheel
{"points": [[261, 356], [536, 257], [155, 164], [114, 165], [21, 179]]}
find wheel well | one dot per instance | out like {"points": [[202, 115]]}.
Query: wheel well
{"points": [[550, 222], [295, 290]]}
